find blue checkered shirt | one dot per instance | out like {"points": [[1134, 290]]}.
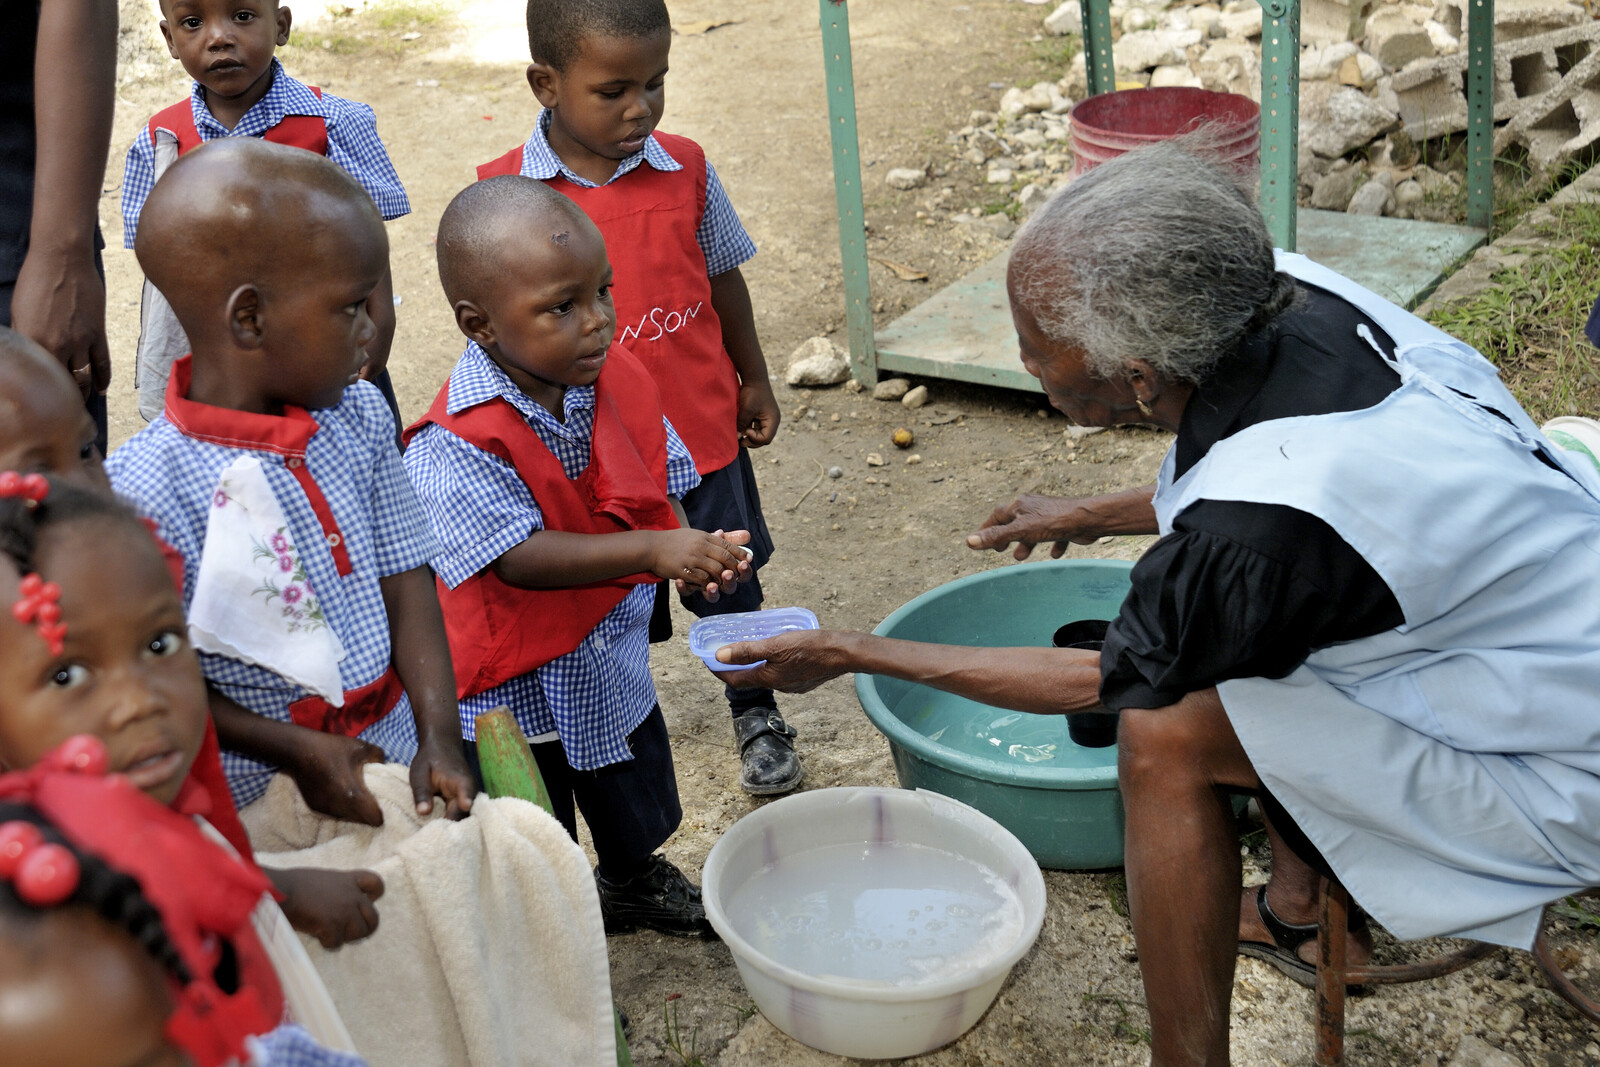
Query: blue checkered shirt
{"points": [[291, 1046], [721, 235], [170, 476], [597, 694], [353, 143]]}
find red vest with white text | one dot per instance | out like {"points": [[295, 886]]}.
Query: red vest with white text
{"points": [[649, 219], [499, 631]]}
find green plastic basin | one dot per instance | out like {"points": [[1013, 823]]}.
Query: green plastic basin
{"points": [[1064, 806]]}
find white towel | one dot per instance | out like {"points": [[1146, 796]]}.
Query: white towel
{"points": [[490, 950], [252, 599]]}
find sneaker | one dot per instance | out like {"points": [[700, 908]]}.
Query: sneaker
{"points": [[768, 762], [659, 899]]}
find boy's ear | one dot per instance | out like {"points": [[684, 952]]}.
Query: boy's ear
{"points": [[166, 35], [474, 322], [244, 316], [545, 81], [285, 20]]}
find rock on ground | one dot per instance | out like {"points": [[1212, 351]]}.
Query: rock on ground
{"points": [[904, 178], [916, 397], [1068, 18], [891, 389], [1374, 198], [1332, 191], [1476, 1052], [1350, 119], [818, 361]]}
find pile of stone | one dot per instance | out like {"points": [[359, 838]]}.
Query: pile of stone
{"points": [[1381, 82]]}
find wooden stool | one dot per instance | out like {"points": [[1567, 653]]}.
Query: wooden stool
{"points": [[1334, 975]]}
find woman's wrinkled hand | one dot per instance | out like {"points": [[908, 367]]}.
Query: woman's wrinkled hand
{"points": [[796, 662]]}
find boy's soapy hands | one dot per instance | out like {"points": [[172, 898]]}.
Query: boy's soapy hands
{"points": [[758, 414], [328, 770], [700, 562], [335, 907]]}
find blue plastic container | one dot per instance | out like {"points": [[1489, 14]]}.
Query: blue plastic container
{"points": [[710, 634], [1066, 808]]}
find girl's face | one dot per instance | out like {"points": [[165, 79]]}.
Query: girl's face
{"points": [[76, 991], [127, 673]]}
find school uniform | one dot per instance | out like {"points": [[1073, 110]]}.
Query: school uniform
{"points": [[291, 113], [669, 228], [492, 467], [352, 517]]}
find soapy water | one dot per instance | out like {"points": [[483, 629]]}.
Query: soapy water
{"points": [[895, 914], [994, 733]]}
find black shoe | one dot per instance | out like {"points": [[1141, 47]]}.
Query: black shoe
{"points": [[769, 764], [660, 899]]}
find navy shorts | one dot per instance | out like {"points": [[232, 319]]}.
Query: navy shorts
{"points": [[725, 499]]}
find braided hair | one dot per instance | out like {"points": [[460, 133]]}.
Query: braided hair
{"points": [[103, 890], [21, 521]]}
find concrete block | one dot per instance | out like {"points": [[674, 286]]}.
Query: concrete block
{"points": [[1513, 19], [1395, 39]]}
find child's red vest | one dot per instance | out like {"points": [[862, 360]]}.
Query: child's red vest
{"points": [[498, 631], [663, 295], [298, 131]]}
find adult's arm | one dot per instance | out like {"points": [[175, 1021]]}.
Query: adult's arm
{"points": [[1034, 519], [1044, 681], [60, 300]]}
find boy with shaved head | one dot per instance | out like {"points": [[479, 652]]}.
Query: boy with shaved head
{"points": [[241, 90], [599, 72], [552, 478], [274, 471]]}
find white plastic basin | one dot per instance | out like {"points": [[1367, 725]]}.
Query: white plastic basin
{"points": [[873, 923]]}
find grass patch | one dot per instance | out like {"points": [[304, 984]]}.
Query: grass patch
{"points": [[378, 27], [1529, 321]]}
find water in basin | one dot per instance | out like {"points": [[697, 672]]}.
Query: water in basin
{"points": [[894, 913], [994, 733]]}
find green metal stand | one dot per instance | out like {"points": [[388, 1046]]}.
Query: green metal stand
{"points": [[1098, 66], [847, 190], [1280, 119], [1480, 114]]}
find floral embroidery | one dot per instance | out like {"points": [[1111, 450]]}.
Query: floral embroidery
{"points": [[300, 608]]}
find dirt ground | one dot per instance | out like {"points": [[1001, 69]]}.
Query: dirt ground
{"points": [[855, 548]]}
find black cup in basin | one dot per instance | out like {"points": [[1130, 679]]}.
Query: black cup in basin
{"points": [[1088, 729]]}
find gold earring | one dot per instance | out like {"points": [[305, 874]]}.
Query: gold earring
{"points": [[1144, 409]]}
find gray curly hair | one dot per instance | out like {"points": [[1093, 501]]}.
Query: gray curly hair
{"points": [[1156, 255]]}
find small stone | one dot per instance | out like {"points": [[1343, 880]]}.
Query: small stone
{"points": [[1332, 191], [915, 398], [1030, 138], [974, 156], [1147, 49], [1068, 18], [836, 472], [999, 224], [1246, 23], [1317, 64], [817, 361], [1408, 194], [1011, 103], [903, 438], [874, 460], [1374, 198], [1444, 42], [1507, 1019], [1476, 1052], [913, 459], [1136, 19], [1174, 75], [853, 386], [890, 389], [904, 178], [999, 176], [1039, 96]]}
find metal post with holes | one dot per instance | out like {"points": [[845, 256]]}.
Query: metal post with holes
{"points": [[847, 190], [1480, 113], [1098, 66], [1280, 119]]}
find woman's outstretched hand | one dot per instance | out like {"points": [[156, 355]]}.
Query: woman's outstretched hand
{"points": [[796, 662]]}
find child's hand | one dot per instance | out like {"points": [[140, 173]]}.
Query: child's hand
{"points": [[335, 907], [758, 414], [441, 768], [329, 775], [700, 562]]}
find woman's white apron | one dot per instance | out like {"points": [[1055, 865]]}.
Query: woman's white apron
{"points": [[1449, 769]]}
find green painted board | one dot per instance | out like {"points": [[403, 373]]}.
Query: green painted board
{"points": [[964, 332]]}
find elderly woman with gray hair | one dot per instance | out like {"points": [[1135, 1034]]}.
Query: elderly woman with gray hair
{"points": [[1373, 603]]}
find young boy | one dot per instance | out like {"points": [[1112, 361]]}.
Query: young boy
{"points": [[682, 307], [551, 477], [241, 90], [274, 472]]}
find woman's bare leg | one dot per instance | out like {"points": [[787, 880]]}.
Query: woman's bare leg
{"points": [[1182, 861]]}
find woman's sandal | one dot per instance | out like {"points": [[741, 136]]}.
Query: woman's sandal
{"points": [[1284, 950]]}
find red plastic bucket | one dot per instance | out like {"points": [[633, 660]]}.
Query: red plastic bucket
{"points": [[1105, 126]]}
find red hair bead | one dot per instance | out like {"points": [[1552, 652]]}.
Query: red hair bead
{"points": [[17, 839], [47, 875]]}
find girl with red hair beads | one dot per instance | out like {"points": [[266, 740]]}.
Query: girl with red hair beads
{"points": [[127, 935]]}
